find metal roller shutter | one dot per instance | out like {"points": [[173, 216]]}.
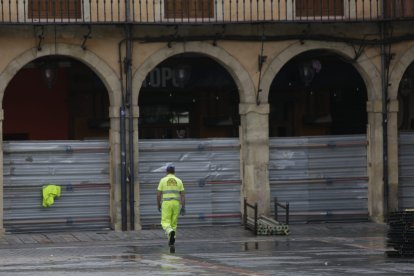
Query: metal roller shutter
{"points": [[210, 170], [81, 168], [322, 178], [406, 170]]}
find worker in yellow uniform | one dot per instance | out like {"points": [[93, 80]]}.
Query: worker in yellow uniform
{"points": [[171, 192]]}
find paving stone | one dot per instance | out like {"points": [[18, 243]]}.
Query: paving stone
{"points": [[82, 237], [13, 239], [96, 237], [62, 238], [27, 238], [40, 238]]}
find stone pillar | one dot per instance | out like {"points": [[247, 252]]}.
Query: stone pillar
{"points": [[254, 136], [137, 217], [115, 168], [393, 171], [1, 174], [375, 161]]}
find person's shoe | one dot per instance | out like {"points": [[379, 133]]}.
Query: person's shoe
{"points": [[172, 249], [172, 239]]}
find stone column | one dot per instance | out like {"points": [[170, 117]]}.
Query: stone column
{"points": [[115, 168], [137, 217], [375, 161], [1, 174], [254, 137], [393, 171]]}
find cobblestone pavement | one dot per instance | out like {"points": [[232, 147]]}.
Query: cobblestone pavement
{"points": [[313, 249]]}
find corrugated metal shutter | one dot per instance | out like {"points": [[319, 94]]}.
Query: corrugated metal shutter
{"points": [[210, 170], [406, 170], [322, 178], [81, 168]]}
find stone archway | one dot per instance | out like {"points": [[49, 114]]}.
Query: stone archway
{"points": [[364, 65], [236, 70], [110, 81], [396, 75], [372, 78], [398, 71], [106, 73], [253, 131]]}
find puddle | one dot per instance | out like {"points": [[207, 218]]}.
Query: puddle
{"points": [[125, 258]]}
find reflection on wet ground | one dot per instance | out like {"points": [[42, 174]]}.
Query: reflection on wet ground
{"points": [[309, 253], [289, 256]]}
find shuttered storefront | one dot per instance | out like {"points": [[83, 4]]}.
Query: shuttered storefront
{"points": [[406, 171], [210, 170], [81, 168], [322, 178]]}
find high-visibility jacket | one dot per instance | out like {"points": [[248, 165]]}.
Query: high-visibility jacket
{"points": [[49, 193], [170, 186]]}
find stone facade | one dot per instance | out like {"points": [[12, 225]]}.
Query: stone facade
{"points": [[20, 45]]}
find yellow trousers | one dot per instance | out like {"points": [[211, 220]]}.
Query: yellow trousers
{"points": [[169, 215]]}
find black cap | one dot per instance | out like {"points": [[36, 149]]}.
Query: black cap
{"points": [[170, 168]]}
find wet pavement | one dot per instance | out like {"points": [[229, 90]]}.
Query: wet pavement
{"points": [[313, 249]]}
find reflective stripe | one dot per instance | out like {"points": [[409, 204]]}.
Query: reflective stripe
{"points": [[171, 198], [170, 195], [171, 192]]}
